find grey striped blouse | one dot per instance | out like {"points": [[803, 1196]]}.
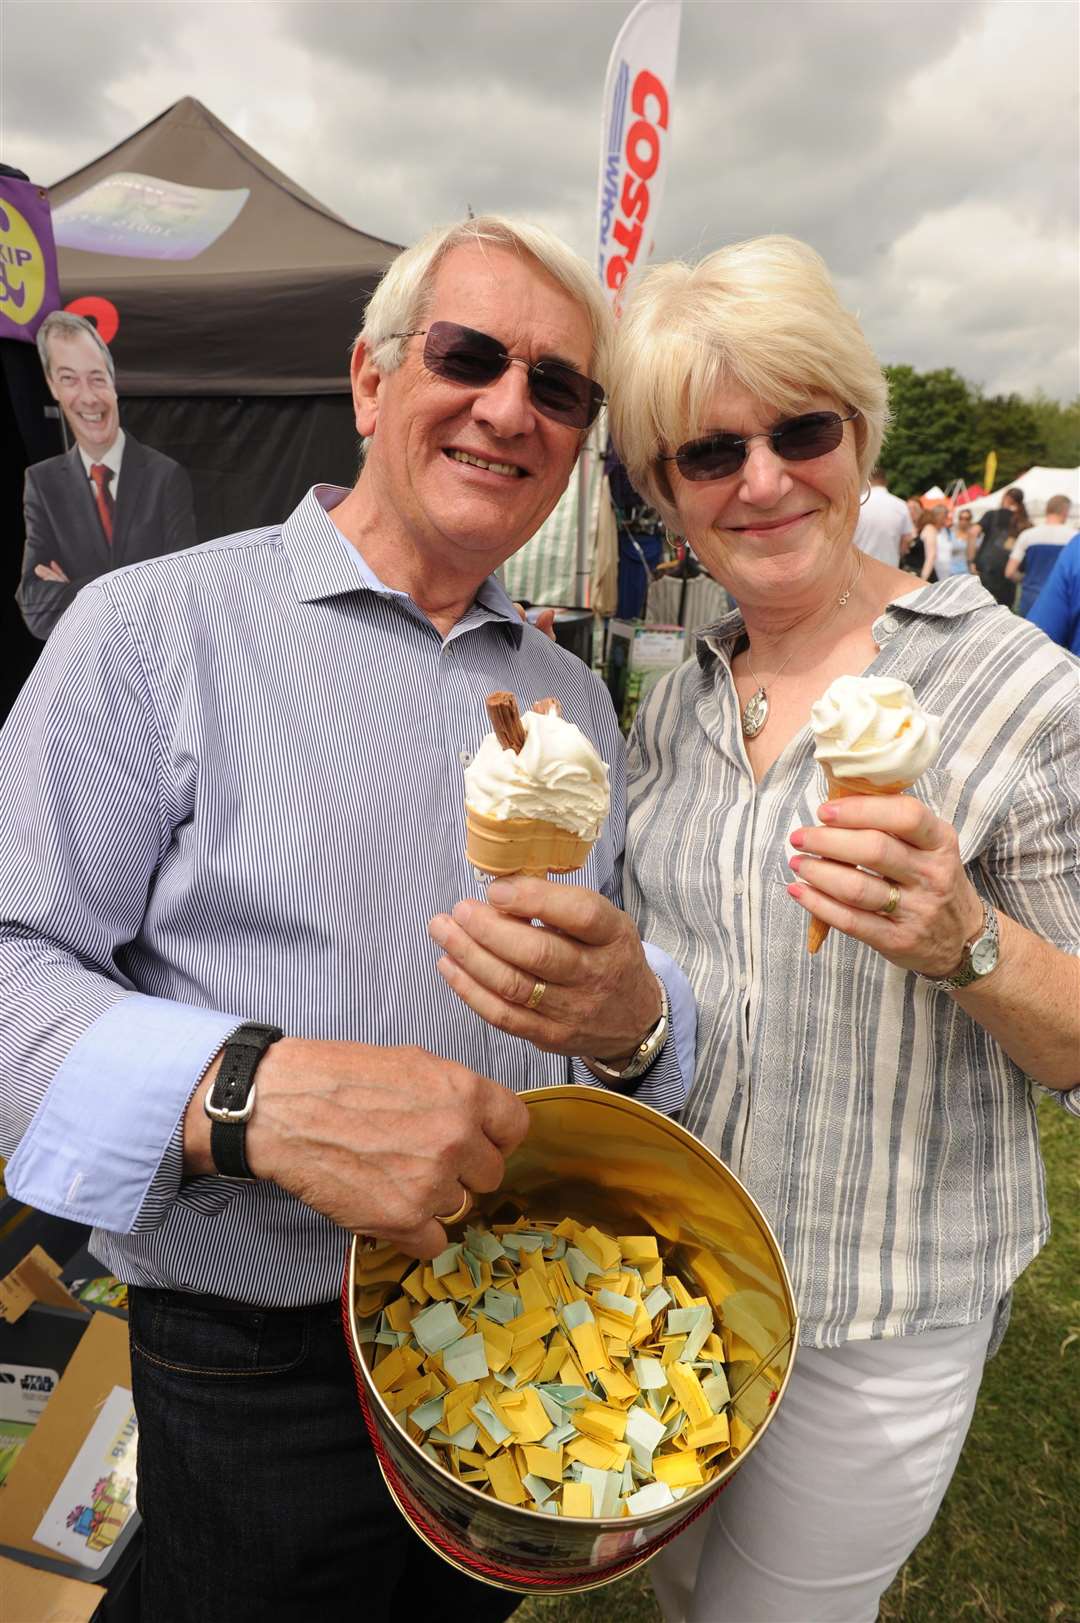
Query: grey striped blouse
{"points": [[890, 1141]]}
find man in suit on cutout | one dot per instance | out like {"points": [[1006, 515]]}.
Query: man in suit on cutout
{"points": [[108, 501]]}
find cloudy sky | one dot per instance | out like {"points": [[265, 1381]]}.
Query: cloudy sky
{"points": [[929, 151]]}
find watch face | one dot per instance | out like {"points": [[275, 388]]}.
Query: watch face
{"points": [[984, 955]]}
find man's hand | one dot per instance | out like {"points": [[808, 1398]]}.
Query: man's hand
{"points": [[377, 1139], [600, 997], [51, 571]]}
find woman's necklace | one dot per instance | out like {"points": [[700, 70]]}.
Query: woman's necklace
{"points": [[756, 711]]}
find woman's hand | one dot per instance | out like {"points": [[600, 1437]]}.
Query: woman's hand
{"points": [[906, 847]]}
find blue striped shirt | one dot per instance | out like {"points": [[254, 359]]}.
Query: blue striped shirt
{"points": [[891, 1143], [232, 790]]}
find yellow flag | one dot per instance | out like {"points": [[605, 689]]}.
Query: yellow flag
{"points": [[990, 472]]}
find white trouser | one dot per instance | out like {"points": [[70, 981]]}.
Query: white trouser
{"points": [[844, 1484]]}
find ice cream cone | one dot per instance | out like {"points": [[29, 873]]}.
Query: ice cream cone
{"points": [[509, 845], [842, 789]]}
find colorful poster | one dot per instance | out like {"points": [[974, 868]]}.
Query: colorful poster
{"points": [[141, 217], [24, 1391], [96, 1499], [29, 287], [636, 141]]}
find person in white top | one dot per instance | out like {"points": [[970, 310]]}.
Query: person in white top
{"points": [[884, 522], [1035, 551]]}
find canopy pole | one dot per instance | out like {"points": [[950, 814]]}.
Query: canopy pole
{"points": [[582, 570]]}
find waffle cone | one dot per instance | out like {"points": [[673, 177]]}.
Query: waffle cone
{"points": [[843, 789], [529, 845]]}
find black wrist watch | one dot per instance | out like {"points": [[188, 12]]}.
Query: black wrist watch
{"points": [[647, 1051], [980, 955], [231, 1100]]}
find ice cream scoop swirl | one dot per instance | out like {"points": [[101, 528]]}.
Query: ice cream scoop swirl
{"points": [[556, 776], [873, 728]]}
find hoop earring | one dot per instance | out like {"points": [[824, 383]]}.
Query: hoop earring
{"points": [[864, 499]]}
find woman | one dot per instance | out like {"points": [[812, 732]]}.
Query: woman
{"points": [[884, 1121], [968, 536], [1000, 528], [921, 557]]}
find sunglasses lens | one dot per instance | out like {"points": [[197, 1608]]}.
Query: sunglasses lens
{"points": [[564, 395], [461, 355], [806, 437], [714, 458]]}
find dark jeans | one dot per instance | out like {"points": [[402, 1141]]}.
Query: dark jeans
{"points": [[260, 1495]]}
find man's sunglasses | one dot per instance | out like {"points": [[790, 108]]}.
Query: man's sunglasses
{"points": [[800, 439], [473, 359]]}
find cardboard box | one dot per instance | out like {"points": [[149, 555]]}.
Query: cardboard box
{"points": [[67, 1506], [35, 1279], [45, 1597]]}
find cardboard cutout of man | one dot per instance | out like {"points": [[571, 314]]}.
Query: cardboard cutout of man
{"points": [[107, 502]]}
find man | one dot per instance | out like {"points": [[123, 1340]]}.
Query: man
{"points": [[1036, 552], [233, 793], [109, 501], [884, 523], [1057, 608]]}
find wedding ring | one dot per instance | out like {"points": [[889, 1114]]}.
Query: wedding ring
{"points": [[455, 1217], [536, 995], [891, 905]]}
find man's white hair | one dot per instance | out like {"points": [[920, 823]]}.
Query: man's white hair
{"points": [[403, 297], [62, 324]]}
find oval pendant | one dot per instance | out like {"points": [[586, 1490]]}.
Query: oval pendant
{"points": [[756, 714]]}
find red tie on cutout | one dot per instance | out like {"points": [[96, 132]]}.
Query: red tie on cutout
{"points": [[106, 507]]}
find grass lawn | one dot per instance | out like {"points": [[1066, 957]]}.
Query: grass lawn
{"points": [[1003, 1548]]}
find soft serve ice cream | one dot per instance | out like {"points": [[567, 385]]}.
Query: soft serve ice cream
{"points": [[536, 792], [872, 737], [872, 728]]}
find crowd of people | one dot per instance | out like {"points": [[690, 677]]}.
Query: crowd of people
{"points": [[255, 1000], [1013, 557]]}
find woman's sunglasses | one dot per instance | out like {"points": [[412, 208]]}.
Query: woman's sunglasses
{"points": [[473, 359], [800, 439]]}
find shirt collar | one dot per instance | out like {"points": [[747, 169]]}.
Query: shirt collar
{"points": [[112, 458], [325, 564], [948, 599]]}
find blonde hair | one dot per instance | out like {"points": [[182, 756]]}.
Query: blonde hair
{"points": [[403, 297], [761, 315]]}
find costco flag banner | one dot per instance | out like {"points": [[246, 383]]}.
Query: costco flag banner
{"points": [[636, 141]]}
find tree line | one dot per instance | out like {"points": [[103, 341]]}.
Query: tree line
{"points": [[943, 429]]}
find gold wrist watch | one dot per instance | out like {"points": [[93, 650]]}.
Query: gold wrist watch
{"points": [[981, 955], [647, 1050]]}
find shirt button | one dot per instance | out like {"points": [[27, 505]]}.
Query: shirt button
{"points": [[739, 887]]}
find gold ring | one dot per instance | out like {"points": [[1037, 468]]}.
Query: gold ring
{"points": [[536, 995], [891, 905], [455, 1217]]}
